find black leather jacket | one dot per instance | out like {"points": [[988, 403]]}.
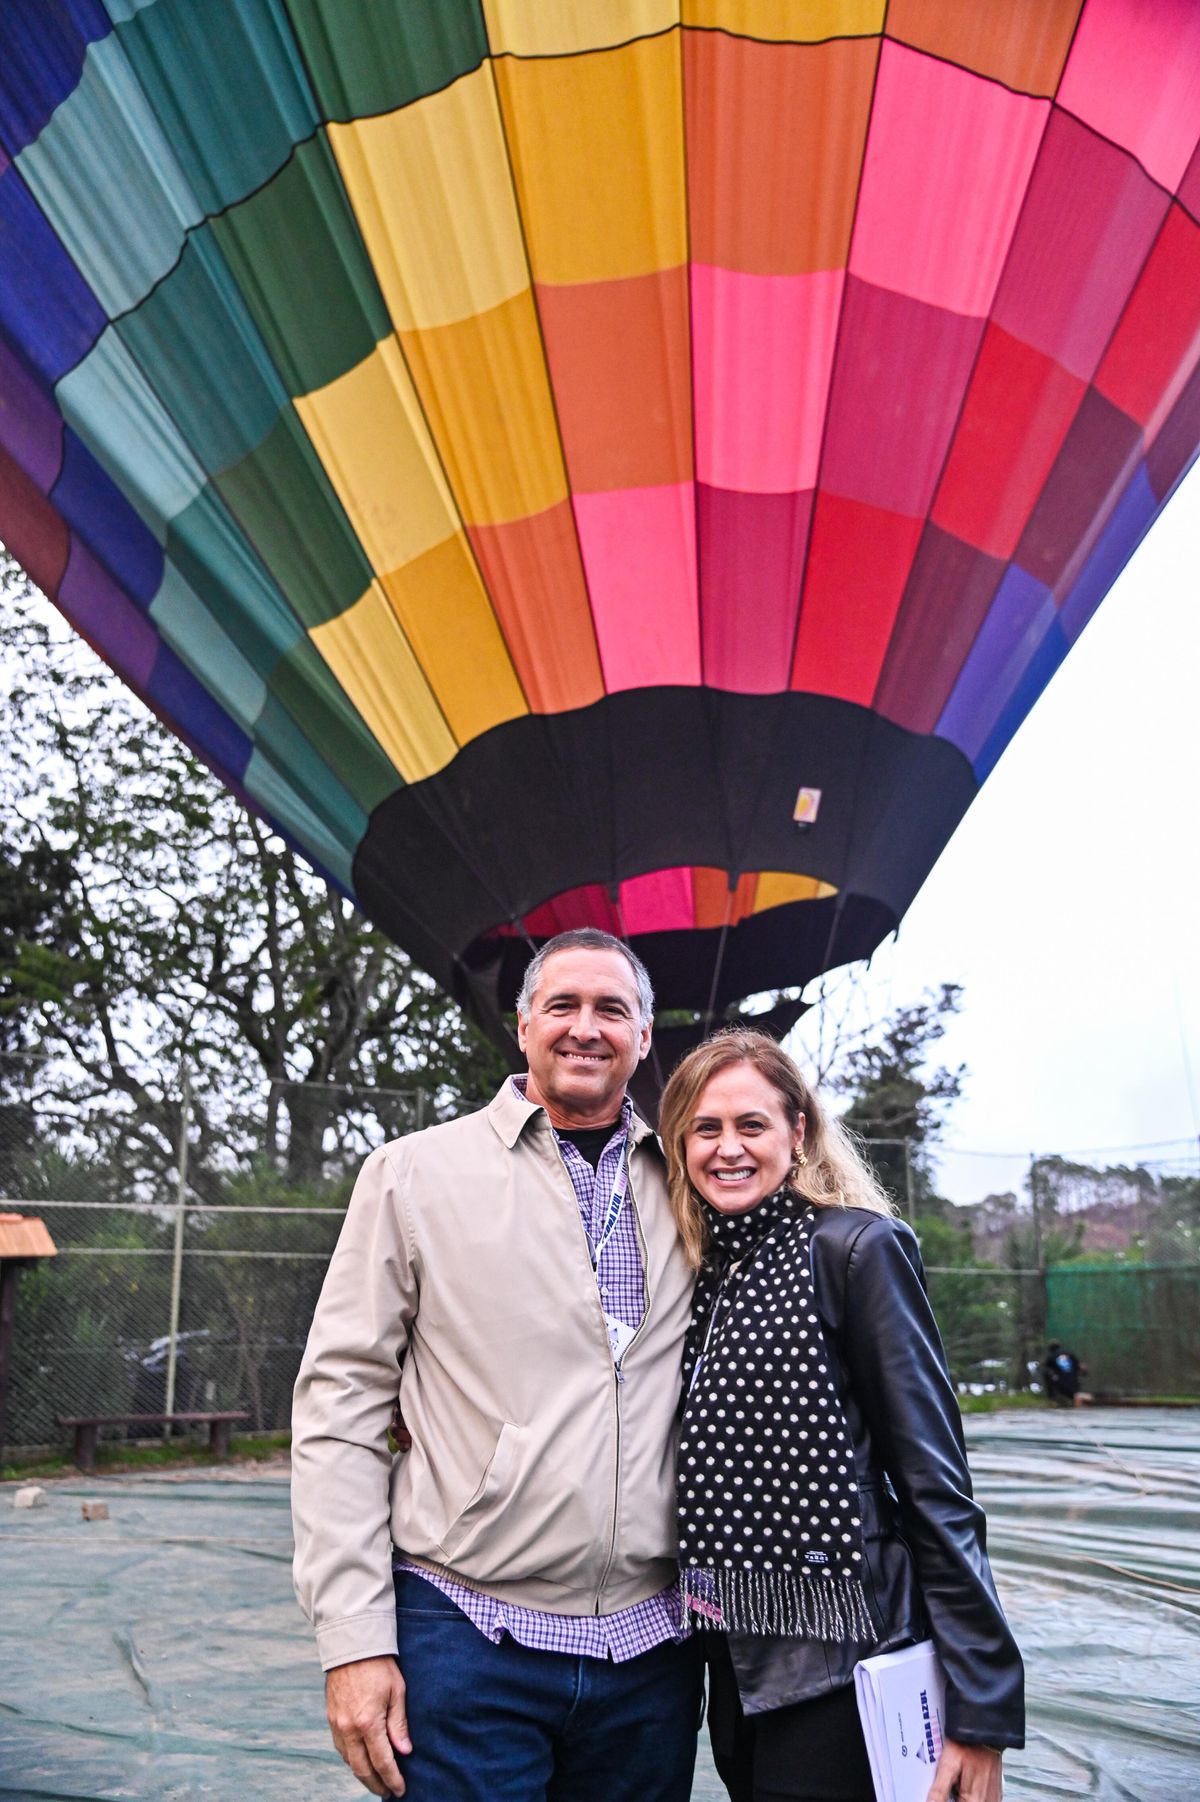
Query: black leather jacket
{"points": [[927, 1569]]}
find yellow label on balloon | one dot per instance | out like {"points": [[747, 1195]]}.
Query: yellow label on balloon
{"points": [[808, 803]]}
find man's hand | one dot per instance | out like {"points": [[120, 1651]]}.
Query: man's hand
{"points": [[401, 1437], [972, 1773], [365, 1706]]}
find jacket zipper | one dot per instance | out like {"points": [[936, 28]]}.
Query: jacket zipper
{"points": [[616, 1499], [618, 1379], [619, 1375]]}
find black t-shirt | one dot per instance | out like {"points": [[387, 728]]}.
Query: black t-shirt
{"points": [[589, 1140]]}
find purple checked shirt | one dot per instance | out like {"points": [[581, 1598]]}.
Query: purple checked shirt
{"points": [[621, 1281]]}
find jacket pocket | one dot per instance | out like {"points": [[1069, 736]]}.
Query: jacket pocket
{"points": [[893, 1594], [492, 1485]]}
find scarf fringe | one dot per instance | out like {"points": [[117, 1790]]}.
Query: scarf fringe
{"points": [[778, 1604]]}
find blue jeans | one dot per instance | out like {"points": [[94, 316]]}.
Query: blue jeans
{"points": [[502, 1723]]}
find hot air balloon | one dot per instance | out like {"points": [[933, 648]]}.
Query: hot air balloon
{"points": [[624, 462]]}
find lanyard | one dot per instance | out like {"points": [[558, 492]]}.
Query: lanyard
{"points": [[616, 1203], [620, 1332]]}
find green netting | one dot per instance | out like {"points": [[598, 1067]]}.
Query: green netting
{"points": [[158, 1656], [1136, 1327]]}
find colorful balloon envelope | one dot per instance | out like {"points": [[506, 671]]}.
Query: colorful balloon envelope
{"points": [[624, 463]]}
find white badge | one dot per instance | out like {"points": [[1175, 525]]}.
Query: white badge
{"points": [[619, 1336]]}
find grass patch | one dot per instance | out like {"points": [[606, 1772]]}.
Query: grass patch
{"points": [[1024, 1398], [1000, 1400], [1147, 1401], [115, 1457]]}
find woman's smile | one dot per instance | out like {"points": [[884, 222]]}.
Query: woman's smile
{"points": [[740, 1143]]}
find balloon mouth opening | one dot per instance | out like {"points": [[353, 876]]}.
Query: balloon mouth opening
{"points": [[764, 935], [718, 949], [687, 898]]}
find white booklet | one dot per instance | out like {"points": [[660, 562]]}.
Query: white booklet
{"points": [[901, 1702]]}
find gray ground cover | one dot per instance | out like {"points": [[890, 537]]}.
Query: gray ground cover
{"points": [[158, 1656]]}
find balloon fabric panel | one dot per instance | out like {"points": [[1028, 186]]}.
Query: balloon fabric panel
{"points": [[523, 448], [299, 262], [1022, 44], [1189, 187], [1015, 417], [930, 639], [1090, 218]]}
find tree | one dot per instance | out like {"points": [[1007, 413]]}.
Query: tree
{"points": [[896, 1101], [151, 922]]}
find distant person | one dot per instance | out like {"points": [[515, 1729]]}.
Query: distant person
{"points": [[825, 1504], [1062, 1377], [497, 1606]]}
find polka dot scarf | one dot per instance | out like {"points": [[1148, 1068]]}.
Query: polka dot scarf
{"points": [[770, 1534]]}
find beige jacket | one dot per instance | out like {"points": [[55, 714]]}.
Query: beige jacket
{"points": [[463, 1279]]}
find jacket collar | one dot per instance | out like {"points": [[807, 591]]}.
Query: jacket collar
{"points": [[510, 1114]]}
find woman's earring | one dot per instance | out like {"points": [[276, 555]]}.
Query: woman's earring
{"points": [[799, 1160]]}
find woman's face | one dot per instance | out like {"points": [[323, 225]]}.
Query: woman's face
{"points": [[739, 1143]]}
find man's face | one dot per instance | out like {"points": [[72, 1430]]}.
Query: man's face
{"points": [[583, 1038]]}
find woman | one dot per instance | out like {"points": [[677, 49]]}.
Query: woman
{"points": [[824, 1500]]}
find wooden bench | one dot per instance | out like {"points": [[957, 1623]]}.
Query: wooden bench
{"points": [[87, 1429]]}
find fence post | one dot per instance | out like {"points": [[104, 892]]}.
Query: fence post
{"points": [[185, 1121], [1036, 1210], [908, 1183], [1041, 1291], [420, 1109]]}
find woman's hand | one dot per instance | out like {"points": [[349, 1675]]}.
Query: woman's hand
{"points": [[972, 1773]]}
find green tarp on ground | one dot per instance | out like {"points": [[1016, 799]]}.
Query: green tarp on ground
{"points": [[158, 1656]]}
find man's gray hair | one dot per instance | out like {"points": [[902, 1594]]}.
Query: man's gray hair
{"points": [[586, 938]]}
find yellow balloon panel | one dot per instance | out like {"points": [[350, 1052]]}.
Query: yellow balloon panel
{"points": [[371, 436], [369, 654], [369, 432], [597, 148], [776, 888], [431, 186], [443, 607], [564, 27], [483, 384]]}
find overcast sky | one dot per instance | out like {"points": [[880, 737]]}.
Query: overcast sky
{"points": [[1068, 901]]}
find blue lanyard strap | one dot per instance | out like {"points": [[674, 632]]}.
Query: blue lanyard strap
{"points": [[616, 1203]]}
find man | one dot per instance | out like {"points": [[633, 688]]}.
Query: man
{"points": [[515, 1276], [1062, 1374]]}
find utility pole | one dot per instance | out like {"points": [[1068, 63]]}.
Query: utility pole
{"points": [[181, 1171], [1035, 1205]]}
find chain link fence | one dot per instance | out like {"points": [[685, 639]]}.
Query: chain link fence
{"points": [[1102, 1256], [194, 1223], [147, 1311]]}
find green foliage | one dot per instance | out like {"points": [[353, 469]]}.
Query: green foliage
{"points": [[1115, 1214], [152, 922], [999, 1402], [945, 1241], [974, 1312], [896, 1101]]}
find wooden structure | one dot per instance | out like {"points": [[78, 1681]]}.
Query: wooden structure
{"points": [[86, 1428]]}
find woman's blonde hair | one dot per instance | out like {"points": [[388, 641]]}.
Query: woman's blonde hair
{"points": [[836, 1174]]}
